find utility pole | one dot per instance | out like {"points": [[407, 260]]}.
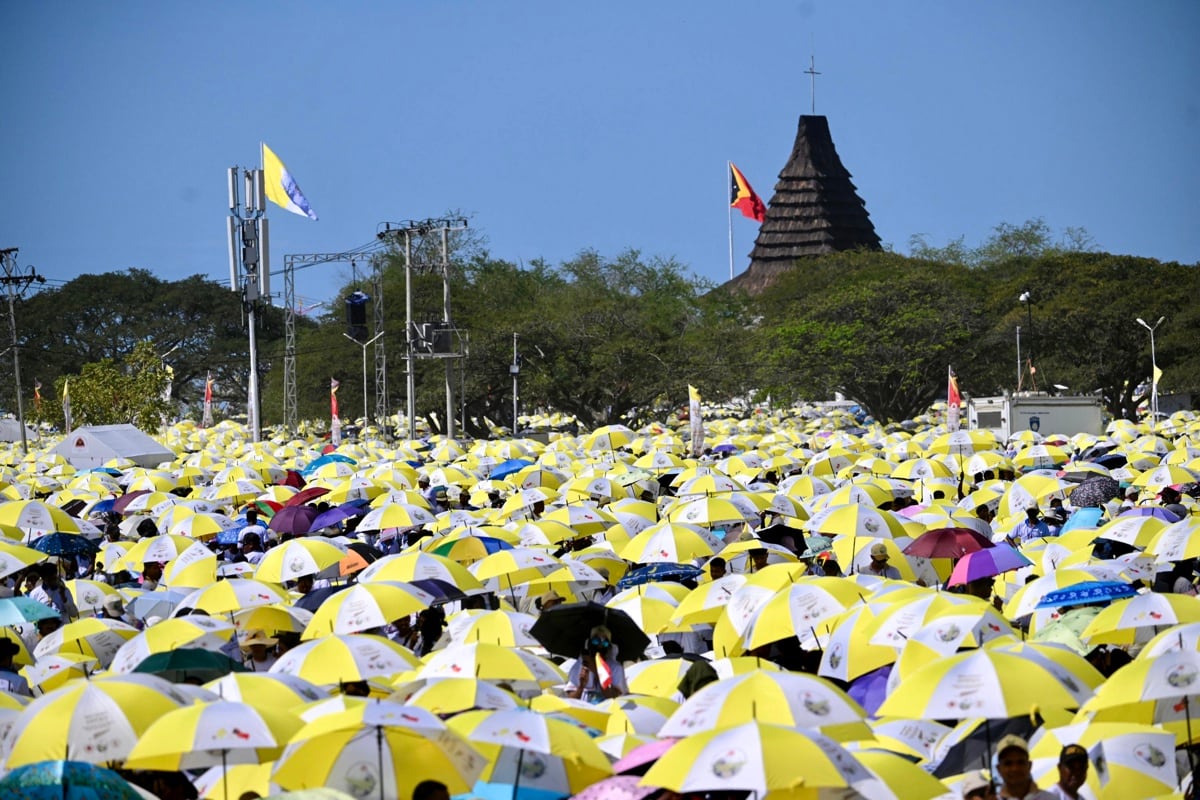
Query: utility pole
{"points": [[16, 281], [409, 229], [515, 369], [250, 269]]}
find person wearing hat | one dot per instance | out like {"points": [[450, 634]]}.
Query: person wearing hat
{"points": [[113, 608], [977, 786], [548, 601], [11, 680], [1072, 772], [260, 650], [1016, 771], [879, 565]]}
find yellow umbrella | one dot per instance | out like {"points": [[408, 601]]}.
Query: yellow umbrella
{"points": [[119, 709], [336, 660], [215, 733], [661, 677], [491, 662], [15, 557], [1120, 622], [272, 690], [419, 565], [452, 695], [235, 594], [296, 557], [385, 761], [367, 607], [514, 738], [195, 631], [90, 636], [766, 760], [980, 683], [781, 698], [54, 670]]}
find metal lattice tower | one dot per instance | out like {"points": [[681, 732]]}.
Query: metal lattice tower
{"points": [[293, 262]]}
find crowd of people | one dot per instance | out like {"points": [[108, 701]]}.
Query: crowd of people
{"points": [[769, 504]]}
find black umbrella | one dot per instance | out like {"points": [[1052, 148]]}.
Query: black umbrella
{"points": [[563, 629], [312, 601], [1095, 492], [975, 750]]}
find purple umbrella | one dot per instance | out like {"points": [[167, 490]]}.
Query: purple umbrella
{"points": [[1150, 511], [870, 690], [618, 787], [336, 516], [295, 520], [986, 564]]}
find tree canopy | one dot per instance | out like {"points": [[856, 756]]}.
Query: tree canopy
{"points": [[619, 338]]}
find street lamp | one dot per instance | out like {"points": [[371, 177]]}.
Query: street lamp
{"points": [[1027, 298], [364, 346], [1154, 370]]}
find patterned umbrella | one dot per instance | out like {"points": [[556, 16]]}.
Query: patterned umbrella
{"points": [[1095, 492], [65, 780]]}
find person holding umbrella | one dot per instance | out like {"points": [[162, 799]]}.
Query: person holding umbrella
{"points": [[598, 674]]}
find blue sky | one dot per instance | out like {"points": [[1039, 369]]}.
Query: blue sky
{"points": [[560, 126]]}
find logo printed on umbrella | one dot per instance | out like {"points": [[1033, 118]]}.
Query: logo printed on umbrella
{"points": [[871, 525], [835, 655], [949, 633], [533, 766], [296, 564], [729, 763], [1181, 676], [1150, 754], [361, 779], [817, 706]]}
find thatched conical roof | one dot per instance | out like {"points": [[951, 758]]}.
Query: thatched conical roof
{"points": [[815, 209]]}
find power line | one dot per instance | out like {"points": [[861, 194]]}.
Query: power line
{"points": [[16, 280]]}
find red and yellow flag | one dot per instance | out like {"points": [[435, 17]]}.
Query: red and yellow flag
{"points": [[953, 401], [743, 197]]}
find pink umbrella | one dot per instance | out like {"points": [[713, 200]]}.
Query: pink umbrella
{"points": [[618, 787], [986, 564], [637, 760]]}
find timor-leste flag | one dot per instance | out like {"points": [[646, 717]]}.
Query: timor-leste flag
{"points": [[743, 198]]}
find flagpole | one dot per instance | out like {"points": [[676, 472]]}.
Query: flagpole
{"points": [[729, 208]]}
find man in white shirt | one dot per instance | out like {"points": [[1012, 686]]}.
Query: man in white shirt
{"points": [[54, 593]]}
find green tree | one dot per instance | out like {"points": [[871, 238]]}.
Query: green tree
{"points": [[879, 328], [108, 392]]}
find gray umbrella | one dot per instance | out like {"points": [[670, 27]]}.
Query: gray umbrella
{"points": [[1095, 492]]}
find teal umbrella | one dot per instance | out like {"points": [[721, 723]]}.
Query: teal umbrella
{"points": [[190, 664], [16, 610], [65, 780]]}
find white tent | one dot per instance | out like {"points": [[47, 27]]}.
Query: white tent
{"points": [[93, 445], [10, 431]]}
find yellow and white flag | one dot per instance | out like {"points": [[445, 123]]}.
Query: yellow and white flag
{"points": [[696, 420]]}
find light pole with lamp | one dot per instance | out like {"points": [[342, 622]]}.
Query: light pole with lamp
{"points": [[1027, 298], [1154, 370], [364, 346]]}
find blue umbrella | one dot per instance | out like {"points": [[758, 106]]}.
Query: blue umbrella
{"points": [[510, 467], [65, 544], [328, 458], [1086, 593], [103, 507], [1083, 518], [660, 571], [65, 780], [17, 610]]}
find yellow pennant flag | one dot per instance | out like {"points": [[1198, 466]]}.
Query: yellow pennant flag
{"points": [[1157, 375]]}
